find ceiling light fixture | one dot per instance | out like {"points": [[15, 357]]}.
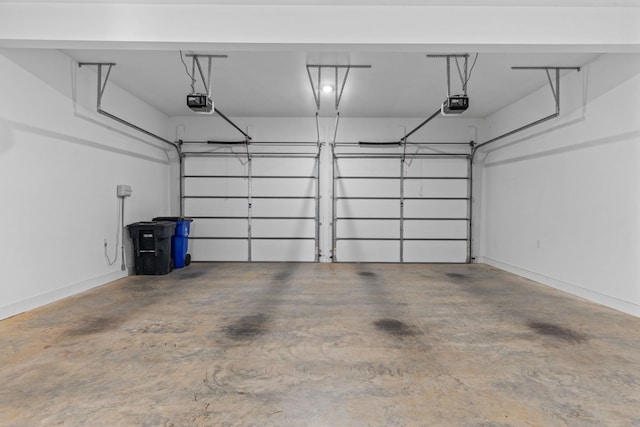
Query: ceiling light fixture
{"points": [[327, 89]]}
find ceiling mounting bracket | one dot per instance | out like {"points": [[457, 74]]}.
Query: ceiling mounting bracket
{"points": [[102, 85], [195, 61], [555, 90], [337, 83], [206, 82], [316, 87], [463, 78], [453, 105], [456, 104]]}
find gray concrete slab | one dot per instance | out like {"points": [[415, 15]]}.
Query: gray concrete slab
{"points": [[321, 345]]}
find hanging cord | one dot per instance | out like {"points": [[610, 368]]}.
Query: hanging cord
{"points": [[209, 77], [115, 256], [465, 80], [471, 69], [123, 267], [193, 80], [448, 77]]}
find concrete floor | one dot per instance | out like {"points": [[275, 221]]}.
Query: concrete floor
{"points": [[321, 345]]}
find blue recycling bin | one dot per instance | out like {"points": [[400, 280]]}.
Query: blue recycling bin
{"points": [[179, 240]]}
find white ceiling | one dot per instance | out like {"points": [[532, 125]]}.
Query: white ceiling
{"points": [[276, 84], [509, 3]]}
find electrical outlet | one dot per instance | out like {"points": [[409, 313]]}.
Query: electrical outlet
{"points": [[123, 190]]}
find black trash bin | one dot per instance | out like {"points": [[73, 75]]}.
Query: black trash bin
{"points": [[152, 246]]}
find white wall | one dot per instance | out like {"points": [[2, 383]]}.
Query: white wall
{"points": [[304, 130], [560, 202], [60, 163]]}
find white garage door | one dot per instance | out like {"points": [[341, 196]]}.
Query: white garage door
{"points": [[263, 208], [387, 210]]}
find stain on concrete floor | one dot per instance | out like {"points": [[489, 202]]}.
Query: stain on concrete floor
{"points": [[394, 327], [321, 344], [556, 331], [247, 327]]}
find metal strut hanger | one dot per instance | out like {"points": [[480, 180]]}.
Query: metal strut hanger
{"points": [[102, 85], [315, 88], [464, 74], [195, 61], [555, 90]]}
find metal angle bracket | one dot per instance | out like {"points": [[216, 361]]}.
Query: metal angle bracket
{"points": [[102, 83], [555, 90], [464, 77], [195, 61]]}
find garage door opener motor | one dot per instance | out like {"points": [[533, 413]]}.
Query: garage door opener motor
{"points": [[456, 104], [200, 102]]}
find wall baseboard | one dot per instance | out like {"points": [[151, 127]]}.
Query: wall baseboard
{"points": [[55, 295], [598, 298]]}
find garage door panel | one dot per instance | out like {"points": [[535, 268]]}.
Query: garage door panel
{"points": [[370, 228], [368, 167], [301, 187], [203, 227], [283, 207], [368, 251], [279, 166], [436, 188], [435, 251], [435, 208], [283, 228], [437, 167], [436, 229], [368, 188], [218, 250], [215, 207], [214, 166], [368, 208], [215, 187], [283, 250]]}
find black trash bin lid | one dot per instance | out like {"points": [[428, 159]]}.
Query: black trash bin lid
{"points": [[152, 225], [172, 218]]}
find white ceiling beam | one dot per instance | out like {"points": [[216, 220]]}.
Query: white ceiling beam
{"points": [[171, 26]]}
